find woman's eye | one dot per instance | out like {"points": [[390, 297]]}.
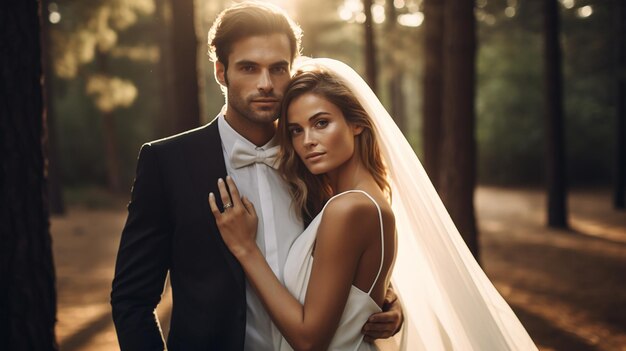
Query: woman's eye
{"points": [[295, 131], [321, 123]]}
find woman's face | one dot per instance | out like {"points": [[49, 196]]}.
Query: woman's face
{"points": [[320, 134]]}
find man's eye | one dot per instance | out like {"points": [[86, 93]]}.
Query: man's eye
{"points": [[280, 69], [247, 68]]}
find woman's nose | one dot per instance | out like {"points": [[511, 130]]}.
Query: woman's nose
{"points": [[309, 139]]}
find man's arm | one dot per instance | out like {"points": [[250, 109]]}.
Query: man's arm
{"points": [[387, 323], [142, 260]]}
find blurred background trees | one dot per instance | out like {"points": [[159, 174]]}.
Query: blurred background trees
{"points": [[498, 92], [511, 93], [619, 44], [126, 72]]}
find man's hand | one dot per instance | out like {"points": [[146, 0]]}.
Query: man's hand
{"points": [[386, 323]]}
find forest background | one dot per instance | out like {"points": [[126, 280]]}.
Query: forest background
{"points": [[110, 85], [516, 108]]}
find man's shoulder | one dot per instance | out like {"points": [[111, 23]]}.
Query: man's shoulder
{"points": [[203, 136]]}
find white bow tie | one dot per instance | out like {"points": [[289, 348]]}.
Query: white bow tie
{"points": [[243, 155]]}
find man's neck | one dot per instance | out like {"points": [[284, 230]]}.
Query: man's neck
{"points": [[256, 133]]}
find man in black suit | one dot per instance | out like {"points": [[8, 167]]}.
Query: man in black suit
{"points": [[170, 226]]}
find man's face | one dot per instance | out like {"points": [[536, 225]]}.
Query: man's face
{"points": [[257, 76]]}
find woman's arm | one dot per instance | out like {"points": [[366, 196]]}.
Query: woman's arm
{"points": [[342, 237]]}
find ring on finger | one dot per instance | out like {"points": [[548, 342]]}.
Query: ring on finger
{"points": [[227, 206]]}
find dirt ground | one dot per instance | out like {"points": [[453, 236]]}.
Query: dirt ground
{"points": [[567, 287]]}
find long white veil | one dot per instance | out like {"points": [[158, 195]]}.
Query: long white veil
{"points": [[449, 303]]}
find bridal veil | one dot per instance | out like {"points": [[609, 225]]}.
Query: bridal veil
{"points": [[448, 301]]}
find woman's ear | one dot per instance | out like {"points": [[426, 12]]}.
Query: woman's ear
{"points": [[357, 129]]}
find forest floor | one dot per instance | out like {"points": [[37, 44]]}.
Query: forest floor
{"points": [[568, 287]]}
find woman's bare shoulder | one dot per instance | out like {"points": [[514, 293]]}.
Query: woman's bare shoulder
{"points": [[357, 212]]}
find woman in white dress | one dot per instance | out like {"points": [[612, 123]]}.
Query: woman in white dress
{"points": [[338, 270], [333, 131]]}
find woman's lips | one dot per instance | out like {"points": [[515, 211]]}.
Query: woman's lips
{"points": [[314, 156]]}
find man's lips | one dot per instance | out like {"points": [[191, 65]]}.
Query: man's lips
{"points": [[265, 101]]}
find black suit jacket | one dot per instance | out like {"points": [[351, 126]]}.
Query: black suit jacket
{"points": [[170, 227]]}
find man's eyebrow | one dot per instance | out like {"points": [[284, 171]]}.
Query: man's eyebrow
{"points": [[246, 63], [280, 63]]}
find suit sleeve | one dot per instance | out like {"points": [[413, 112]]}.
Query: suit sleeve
{"points": [[143, 259]]}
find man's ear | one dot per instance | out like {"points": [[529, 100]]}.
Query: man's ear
{"points": [[220, 73]]}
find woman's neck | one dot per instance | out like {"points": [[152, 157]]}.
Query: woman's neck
{"points": [[349, 176]]}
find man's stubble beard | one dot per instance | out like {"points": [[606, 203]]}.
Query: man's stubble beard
{"points": [[243, 108]]}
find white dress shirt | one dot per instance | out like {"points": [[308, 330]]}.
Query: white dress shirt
{"points": [[278, 228]]}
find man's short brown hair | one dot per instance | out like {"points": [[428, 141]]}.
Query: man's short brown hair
{"points": [[249, 19]]}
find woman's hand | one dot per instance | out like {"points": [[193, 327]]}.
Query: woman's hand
{"points": [[238, 223]]}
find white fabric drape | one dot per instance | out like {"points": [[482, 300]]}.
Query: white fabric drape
{"points": [[449, 303]]}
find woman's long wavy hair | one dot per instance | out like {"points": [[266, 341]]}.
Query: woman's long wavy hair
{"points": [[310, 192]]}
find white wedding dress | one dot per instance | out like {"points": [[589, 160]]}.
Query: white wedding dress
{"points": [[359, 306], [448, 302]]}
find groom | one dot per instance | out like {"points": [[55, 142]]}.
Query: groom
{"points": [[170, 226]]}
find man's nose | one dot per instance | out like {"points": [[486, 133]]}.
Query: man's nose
{"points": [[265, 84]]}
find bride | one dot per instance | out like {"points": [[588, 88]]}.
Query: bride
{"points": [[344, 157]]}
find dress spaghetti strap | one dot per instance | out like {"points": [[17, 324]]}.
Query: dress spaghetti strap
{"points": [[382, 236]]}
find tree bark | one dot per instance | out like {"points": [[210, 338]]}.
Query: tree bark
{"points": [[432, 89], [27, 297], [53, 169], [109, 135], [111, 152], [186, 81], [371, 71], [553, 115], [619, 192], [396, 81], [457, 177], [166, 125]]}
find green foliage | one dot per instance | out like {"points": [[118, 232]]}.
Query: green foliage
{"points": [[125, 37], [510, 127], [509, 82], [509, 109]]}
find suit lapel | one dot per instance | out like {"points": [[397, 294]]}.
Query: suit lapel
{"points": [[206, 152]]}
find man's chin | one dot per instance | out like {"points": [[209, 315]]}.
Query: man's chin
{"points": [[266, 116]]}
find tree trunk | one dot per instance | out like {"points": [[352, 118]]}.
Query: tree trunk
{"points": [[111, 153], [55, 193], [27, 296], [553, 116], [185, 50], [371, 72], [396, 81], [168, 116], [458, 145], [432, 89], [109, 135], [619, 193]]}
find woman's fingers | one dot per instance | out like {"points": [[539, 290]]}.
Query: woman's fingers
{"points": [[234, 192], [224, 194], [213, 205], [249, 206]]}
